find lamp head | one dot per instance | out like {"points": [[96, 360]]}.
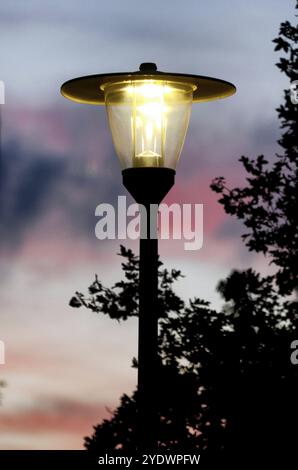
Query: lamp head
{"points": [[148, 110]]}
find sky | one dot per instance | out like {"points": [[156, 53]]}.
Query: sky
{"points": [[65, 369]]}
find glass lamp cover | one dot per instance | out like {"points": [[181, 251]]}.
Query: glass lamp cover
{"points": [[148, 121]]}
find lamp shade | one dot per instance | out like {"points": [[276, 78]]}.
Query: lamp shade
{"points": [[148, 110]]}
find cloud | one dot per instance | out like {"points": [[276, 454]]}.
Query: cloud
{"points": [[52, 424], [230, 228], [54, 414], [49, 196], [26, 185], [50, 190]]}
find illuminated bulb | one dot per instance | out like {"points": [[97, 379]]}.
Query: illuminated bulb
{"points": [[148, 120], [147, 128]]}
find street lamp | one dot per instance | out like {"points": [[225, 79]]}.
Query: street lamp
{"points": [[148, 113]]}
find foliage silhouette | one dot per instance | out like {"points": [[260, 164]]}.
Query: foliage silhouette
{"points": [[226, 385], [268, 203]]}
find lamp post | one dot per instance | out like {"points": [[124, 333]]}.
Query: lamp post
{"points": [[148, 113]]}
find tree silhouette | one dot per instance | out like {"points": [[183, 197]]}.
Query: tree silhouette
{"points": [[226, 384], [268, 203]]}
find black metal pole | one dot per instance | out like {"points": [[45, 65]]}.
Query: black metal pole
{"points": [[148, 186], [148, 340]]}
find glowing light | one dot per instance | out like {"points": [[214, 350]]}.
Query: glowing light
{"points": [[157, 114], [149, 90]]}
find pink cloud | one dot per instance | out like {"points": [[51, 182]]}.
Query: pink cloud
{"points": [[73, 420]]}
